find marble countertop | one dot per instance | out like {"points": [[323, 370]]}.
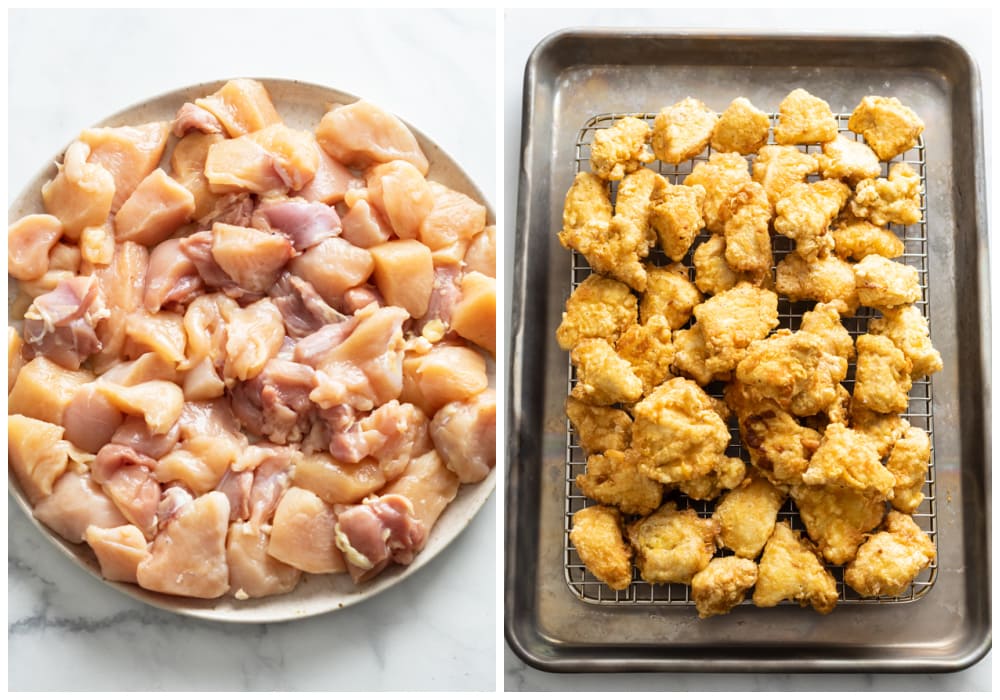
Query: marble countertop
{"points": [[435, 630], [523, 29]]}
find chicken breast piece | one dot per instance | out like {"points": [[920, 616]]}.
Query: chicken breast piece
{"points": [[909, 462], [728, 473], [303, 534], [848, 160], [647, 348], [747, 217], [838, 518], [741, 127], [428, 484], [892, 200], [824, 320], [855, 239], [909, 331], [253, 573], [804, 118], [119, 551], [675, 215], [722, 585], [691, 356], [81, 194], [779, 167], [155, 210], [730, 321], [747, 515], [847, 459], [790, 569], [29, 240], [882, 379], [669, 293], [597, 537], [603, 377], [465, 435], [884, 284], [620, 149], [889, 561], [671, 546], [889, 126], [721, 176], [828, 279], [599, 308], [804, 214], [683, 130], [613, 479], [129, 153], [599, 428], [361, 134], [713, 274]]}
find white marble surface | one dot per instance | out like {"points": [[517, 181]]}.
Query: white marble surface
{"points": [[435, 630], [523, 29]]}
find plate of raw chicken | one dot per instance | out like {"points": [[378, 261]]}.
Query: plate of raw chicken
{"points": [[251, 350]]}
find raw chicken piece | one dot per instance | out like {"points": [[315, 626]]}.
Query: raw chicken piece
{"points": [[123, 283], [15, 358], [889, 126], [837, 518], [464, 434], [158, 402], [252, 259], [172, 280], [598, 540], [136, 435], [804, 118], [270, 161], [392, 434], [29, 240], [81, 194], [76, 502], [334, 481], [65, 257], [404, 274], [254, 336], [146, 368], [401, 194], [331, 182], [620, 149], [126, 477], [191, 117], [474, 316], [253, 573], [747, 514], [43, 390], [790, 569], [672, 546], [722, 585], [741, 127], [333, 267], [275, 404], [60, 324], [158, 207], [174, 499], [428, 485], [446, 293], [187, 166], [888, 561], [210, 442], [357, 298], [242, 106], [611, 478], [364, 226], [454, 217], [482, 253], [236, 486], [206, 331], [444, 374], [271, 466], [189, 556], [360, 134], [38, 454], [683, 130], [119, 551], [305, 224], [379, 531], [161, 333], [302, 308], [129, 153], [303, 534]]}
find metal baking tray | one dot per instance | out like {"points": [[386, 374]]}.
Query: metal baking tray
{"points": [[574, 75]]}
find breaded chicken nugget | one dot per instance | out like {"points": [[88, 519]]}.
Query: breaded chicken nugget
{"points": [[847, 459], [669, 293], [648, 349], [712, 274], [586, 213], [691, 354], [747, 516], [599, 428], [907, 328], [895, 200], [856, 239], [682, 131], [727, 474], [621, 149], [848, 160], [741, 127], [824, 320], [671, 546], [779, 167], [804, 118], [722, 585], [889, 127], [805, 212], [599, 308], [721, 176], [885, 284], [675, 213], [882, 379], [732, 320], [909, 462], [888, 562], [597, 537], [603, 377], [790, 569], [614, 479], [747, 216], [881, 429], [837, 518], [828, 279], [779, 446]]}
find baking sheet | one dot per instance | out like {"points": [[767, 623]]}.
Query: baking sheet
{"points": [[573, 75]]}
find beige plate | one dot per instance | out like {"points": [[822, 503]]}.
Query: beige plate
{"points": [[301, 105]]}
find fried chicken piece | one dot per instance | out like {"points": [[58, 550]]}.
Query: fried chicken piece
{"points": [[597, 537], [677, 434], [882, 378], [909, 462], [712, 273], [804, 118], [889, 127], [828, 279], [881, 429], [889, 561], [615, 480], [779, 167], [848, 160], [721, 176], [691, 354], [632, 207], [599, 308], [727, 474], [824, 320], [895, 200], [669, 293], [722, 585], [671, 546], [884, 284], [747, 515], [838, 518], [856, 239], [675, 215], [732, 320], [805, 212], [741, 127], [603, 377], [846, 458], [747, 216], [908, 329], [648, 349], [599, 428], [790, 569], [682, 131], [620, 149], [838, 411]]}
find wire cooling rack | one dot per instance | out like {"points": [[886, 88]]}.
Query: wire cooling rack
{"points": [[919, 413]]}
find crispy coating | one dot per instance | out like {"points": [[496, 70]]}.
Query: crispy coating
{"points": [[672, 546], [712, 273], [889, 127], [747, 515], [790, 569], [691, 354], [908, 462], [779, 167], [599, 308], [675, 214], [677, 434], [838, 518], [599, 428], [648, 349], [747, 216], [888, 561], [805, 212], [824, 320], [621, 149], [847, 459], [732, 320], [669, 293], [597, 537], [614, 479], [586, 213], [828, 279], [882, 378], [603, 377], [881, 429], [885, 284], [838, 411], [721, 176], [804, 118], [682, 131], [895, 200], [632, 206], [848, 160], [856, 239], [907, 328], [741, 127], [727, 474], [722, 585]]}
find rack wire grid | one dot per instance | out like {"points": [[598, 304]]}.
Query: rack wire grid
{"points": [[919, 413]]}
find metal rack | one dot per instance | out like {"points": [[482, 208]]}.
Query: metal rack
{"points": [[919, 412]]}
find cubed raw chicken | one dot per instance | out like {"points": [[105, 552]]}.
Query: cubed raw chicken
{"points": [[381, 530], [404, 274], [429, 486], [210, 441], [189, 556], [191, 117], [61, 324], [275, 404], [331, 182], [302, 308], [97, 244], [81, 194], [251, 258], [135, 434], [90, 419], [127, 478], [253, 573], [305, 224], [172, 280], [254, 336], [242, 106], [392, 434], [454, 217], [303, 533], [123, 283], [446, 292], [75, 504], [444, 374], [335, 481], [145, 368], [158, 207], [38, 454], [65, 257], [15, 357], [333, 267], [474, 317], [204, 324], [161, 333], [119, 551], [129, 153], [364, 226], [270, 161], [44, 389], [360, 134], [401, 194], [465, 435], [482, 254], [187, 165], [29, 240], [158, 402]]}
